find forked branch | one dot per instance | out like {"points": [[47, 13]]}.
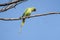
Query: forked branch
{"points": [[10, 5], [5, 4]]}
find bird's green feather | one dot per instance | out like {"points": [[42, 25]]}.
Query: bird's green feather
{"points": [[27, 12]]}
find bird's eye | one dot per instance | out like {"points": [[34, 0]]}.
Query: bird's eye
{"points": [[34, 10]]}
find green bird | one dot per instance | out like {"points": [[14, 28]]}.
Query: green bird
{"points": [[27, 12]]}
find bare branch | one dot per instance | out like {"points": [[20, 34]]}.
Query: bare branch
{"points": [[9, 19], [11, 2], [37, 15], [7, 7]]}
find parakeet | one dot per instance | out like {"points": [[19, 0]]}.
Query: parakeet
{"points": [[27, 12]]}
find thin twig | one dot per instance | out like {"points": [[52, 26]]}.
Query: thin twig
{"points": [[4, 4], [37, 15], [7, 7]]}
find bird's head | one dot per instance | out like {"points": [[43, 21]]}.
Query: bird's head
{"points": [[32, 9]]}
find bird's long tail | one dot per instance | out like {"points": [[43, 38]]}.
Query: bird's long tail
{"points": [[22, 24]]}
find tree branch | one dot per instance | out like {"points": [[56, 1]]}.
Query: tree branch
{"points": [[10, 5], [37, 15], [11, 2]]}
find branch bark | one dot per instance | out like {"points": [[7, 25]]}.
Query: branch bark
{"points": [[10, 5], [4, 4], [37, 15]]}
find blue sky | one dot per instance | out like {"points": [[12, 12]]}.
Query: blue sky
{"points": [[38, 28]]}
